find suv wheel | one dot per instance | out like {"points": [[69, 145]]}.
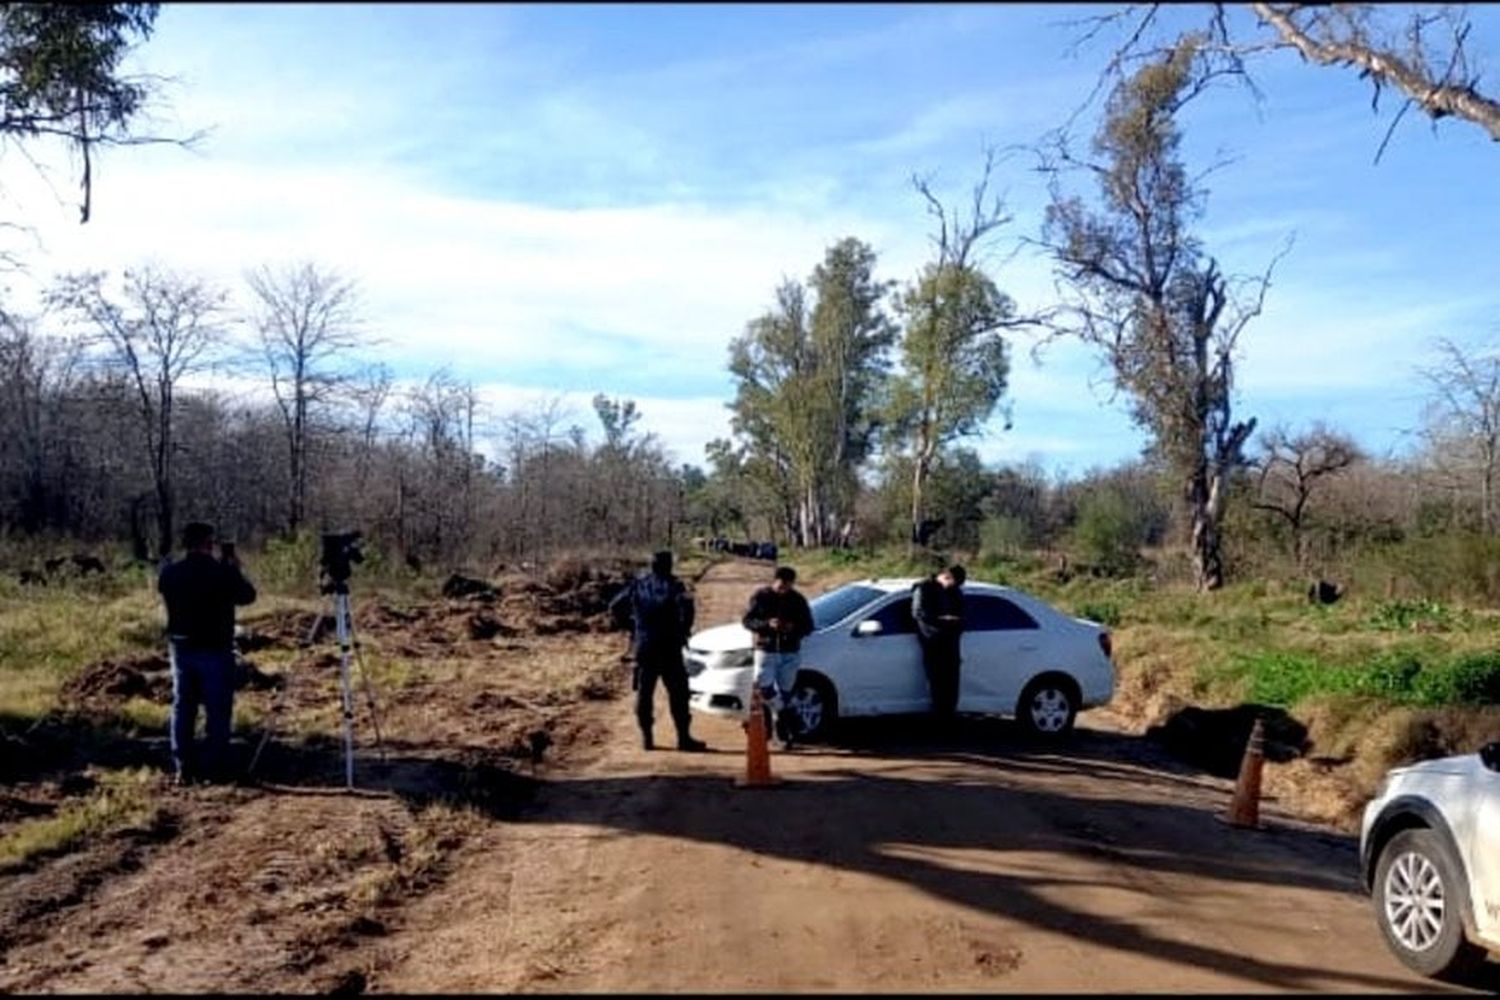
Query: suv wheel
{"points": [[1418, 895]]}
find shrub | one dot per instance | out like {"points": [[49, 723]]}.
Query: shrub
{"points": [[1415, 616], [1109, 533], [1467, 680], [1003, 535], [1103, 612]]}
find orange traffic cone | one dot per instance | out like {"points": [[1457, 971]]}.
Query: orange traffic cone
{"points": [[1244, 808], [757, 755]]}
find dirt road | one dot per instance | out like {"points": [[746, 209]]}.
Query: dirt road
{"points": [[892, 862]]}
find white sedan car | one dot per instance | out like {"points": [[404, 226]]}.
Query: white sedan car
{"points": [[1021, 657], [1430, 855]]}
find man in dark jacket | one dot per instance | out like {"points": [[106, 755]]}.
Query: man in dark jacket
{"points": [[779, 618], [937, 607], [201, 593], [661, 615]]}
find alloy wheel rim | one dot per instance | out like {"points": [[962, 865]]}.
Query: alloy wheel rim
{"points": [[1414, 902], [1049, 710], [808, 704]]}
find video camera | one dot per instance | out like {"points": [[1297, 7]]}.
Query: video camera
{"points": [[340, 552]]}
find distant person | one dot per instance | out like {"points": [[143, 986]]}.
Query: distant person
{"points": [[661, 614], [779, 618], [937, 607], [201, 593]]}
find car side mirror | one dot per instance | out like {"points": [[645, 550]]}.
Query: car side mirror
{"points": [[868, 627], [1489, 755]]}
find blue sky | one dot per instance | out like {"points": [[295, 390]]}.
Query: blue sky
{"points": [[564, 199]]}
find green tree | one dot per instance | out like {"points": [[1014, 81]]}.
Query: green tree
{"points": [[810, 375], [954, 361], [60, 78], [1139, 287], [851, 339]]}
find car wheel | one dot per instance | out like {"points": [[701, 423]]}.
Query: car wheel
{"points": [[1048, 706], [815, 705], [1418, 897]]}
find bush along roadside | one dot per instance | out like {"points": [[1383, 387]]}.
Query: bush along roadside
{"points": [[1286, 679]]}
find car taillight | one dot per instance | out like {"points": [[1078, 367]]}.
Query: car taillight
{"points": [[1106, 645]]}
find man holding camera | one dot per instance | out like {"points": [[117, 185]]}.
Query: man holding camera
{"points": [[201, 593]]}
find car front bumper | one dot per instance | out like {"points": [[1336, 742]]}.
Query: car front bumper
{"points": [[723, 691]]}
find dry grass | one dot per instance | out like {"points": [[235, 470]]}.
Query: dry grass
{"points": [[120, 799]]}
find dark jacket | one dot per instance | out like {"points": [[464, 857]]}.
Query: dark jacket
{"points": [[201, 593], [930, 599], [661, 612], [791, 607]]}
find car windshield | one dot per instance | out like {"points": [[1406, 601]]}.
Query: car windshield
{"points": [[840, 603]]}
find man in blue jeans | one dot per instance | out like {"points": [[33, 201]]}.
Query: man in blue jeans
{"points": [[779, 619], [201, 593]]}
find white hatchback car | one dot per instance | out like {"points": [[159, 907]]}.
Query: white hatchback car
{"points": [[1429, 851], [1021, 657]]}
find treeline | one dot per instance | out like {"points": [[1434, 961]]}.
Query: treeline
{"points": [[108, 433]]}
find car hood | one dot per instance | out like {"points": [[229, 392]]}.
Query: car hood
{"points": [[722, 639], [1461, 765]]}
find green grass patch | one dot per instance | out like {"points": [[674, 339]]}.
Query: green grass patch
{"points": [[121, 799], [1287, 679]]}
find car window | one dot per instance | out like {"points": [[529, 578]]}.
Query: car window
{"points": [[895, 618], [840, 603], [986, 613]]}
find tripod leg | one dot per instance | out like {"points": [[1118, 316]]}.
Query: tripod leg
{"points": [[364, 678], [273, 718], [341, 613]]}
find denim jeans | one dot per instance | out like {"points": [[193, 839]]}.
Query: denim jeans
{"points": [[775, 675], [201, 677]]}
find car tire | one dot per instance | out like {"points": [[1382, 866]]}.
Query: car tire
{"points": [[816, 705], [1416, 878], [1048, 707]]}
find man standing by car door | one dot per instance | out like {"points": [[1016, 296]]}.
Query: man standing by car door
{"points": [[937, 607], [779, 618]]}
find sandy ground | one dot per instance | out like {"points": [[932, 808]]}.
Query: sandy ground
{"points": [[887, 861], [892, 862]]}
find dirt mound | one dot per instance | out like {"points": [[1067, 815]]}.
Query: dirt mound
{"points": [[1215, 738], [458, 586], [148, 677], [484, 624], [118, 680], [281, 630]]}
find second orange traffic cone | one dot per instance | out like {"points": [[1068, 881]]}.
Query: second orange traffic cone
{"points": [[757, 753], [1244, 808]]}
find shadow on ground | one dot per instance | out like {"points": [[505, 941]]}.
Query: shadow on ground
{"points": [[856, 819]]}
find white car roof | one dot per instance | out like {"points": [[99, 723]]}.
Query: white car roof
{"points": [[894, 584]]}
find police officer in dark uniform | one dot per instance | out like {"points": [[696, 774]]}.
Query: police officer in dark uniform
{"points": [[937, 607], [661, 614]]}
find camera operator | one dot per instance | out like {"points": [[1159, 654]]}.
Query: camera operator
{"points": [[201, 593]]}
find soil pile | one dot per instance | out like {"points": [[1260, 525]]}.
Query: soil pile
{"points": [[148, 677], [1215, 739]]}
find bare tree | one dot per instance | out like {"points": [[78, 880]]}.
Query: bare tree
{"points": [[306, 319], [1420, 51], [1290, 468], [159, 330], [1139, 287], [1463, 419]]}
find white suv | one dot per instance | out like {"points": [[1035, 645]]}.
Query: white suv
{"points": [[1429, 851]]}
